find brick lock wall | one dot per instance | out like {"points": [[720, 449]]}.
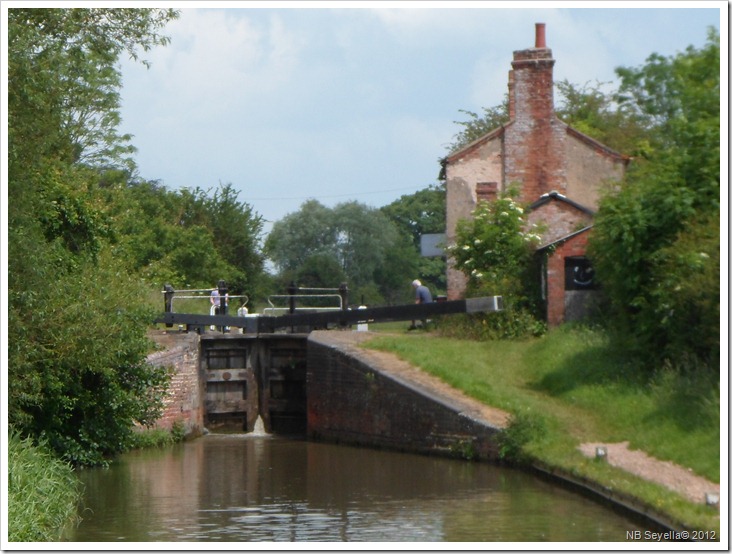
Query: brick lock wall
{"points": [[350, 400], [184, 402]]}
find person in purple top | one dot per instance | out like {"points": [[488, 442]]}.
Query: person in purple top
{"points": [[422, 296]]}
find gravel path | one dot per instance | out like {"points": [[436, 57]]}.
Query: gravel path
{"points": [[668, 474]]}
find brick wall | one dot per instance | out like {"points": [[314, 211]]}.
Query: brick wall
{"points": [[184, 402], [354, 400]]}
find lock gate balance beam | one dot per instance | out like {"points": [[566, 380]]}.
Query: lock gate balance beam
{"points": [[321, 320]]}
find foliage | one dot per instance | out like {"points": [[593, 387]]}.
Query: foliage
{"points": [[77, 366], [301, 234], [587, 108], [417, 214], [511, 323], [523, 428], [63, 83], [495, 251], [152, 438], [664, 222], [42, 492], [479, 125], [237, 233], [77, 375], [373, 256], [188, 238], [596, 113]]}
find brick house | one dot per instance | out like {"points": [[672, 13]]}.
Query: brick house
{"points": [[559, 171]]}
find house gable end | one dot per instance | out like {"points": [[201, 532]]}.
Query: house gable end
{"points": [[596, 145], [556, 216], [470, 148]]}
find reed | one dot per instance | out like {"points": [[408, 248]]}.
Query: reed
{"points": [[43, 492]]}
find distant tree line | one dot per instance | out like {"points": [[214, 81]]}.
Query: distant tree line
{"points": [[375, 251]]}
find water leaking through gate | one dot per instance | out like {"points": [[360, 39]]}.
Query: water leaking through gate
{"points": [[255, 376]]}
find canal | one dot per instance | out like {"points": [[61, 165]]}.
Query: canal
{"points": [[254, 487]]}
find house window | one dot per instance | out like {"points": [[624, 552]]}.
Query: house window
{"points": [[578, 274]]}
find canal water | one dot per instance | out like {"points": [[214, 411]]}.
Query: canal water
{"points": [[242, 488]]}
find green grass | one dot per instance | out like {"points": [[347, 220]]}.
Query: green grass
{"points": [[155, 438], [570, 387], [42, 493]]}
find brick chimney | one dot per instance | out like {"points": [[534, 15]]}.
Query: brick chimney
{"points": [[535, 142]]}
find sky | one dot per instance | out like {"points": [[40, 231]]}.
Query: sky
{"points": [[342, 101]]}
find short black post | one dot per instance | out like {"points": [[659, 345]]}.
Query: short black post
{"points": [[343, 291], [292, 291], [223, 292], [169, 292]]}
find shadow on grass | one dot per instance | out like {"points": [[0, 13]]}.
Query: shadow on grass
{"points": [[686, 394], [595, 365]]}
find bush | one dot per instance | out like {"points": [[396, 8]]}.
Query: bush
{"points": [[506, 325], [151, 438], [495, 251], [78, 367], [523, 427]]}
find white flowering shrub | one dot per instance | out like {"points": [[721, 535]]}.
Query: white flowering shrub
{"points": [[495, 251], [495, 245]]}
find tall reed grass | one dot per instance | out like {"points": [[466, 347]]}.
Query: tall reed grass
{"points": [[43, 492]]}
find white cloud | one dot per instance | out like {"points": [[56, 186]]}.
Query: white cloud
{"points": [[325, 102]]}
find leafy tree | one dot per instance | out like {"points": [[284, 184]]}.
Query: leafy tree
{"points": [[419, 214], [597, 114], [368, 248], [63, 83], [299, 235], [76, 359], [187, 237], [663, 223], [362, 239], [319, 271], [237, 233], [478, 125], [77, 370], [587, 108]]}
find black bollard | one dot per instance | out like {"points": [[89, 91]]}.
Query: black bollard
{"points": [[292, 291], [169, 292], [223, 300], [343, 291]]}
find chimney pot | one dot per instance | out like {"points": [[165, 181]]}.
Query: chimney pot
{"points": [[540, 35]]}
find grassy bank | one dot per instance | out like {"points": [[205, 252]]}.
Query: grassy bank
{"points": [[42, 493], [570, 387]]}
